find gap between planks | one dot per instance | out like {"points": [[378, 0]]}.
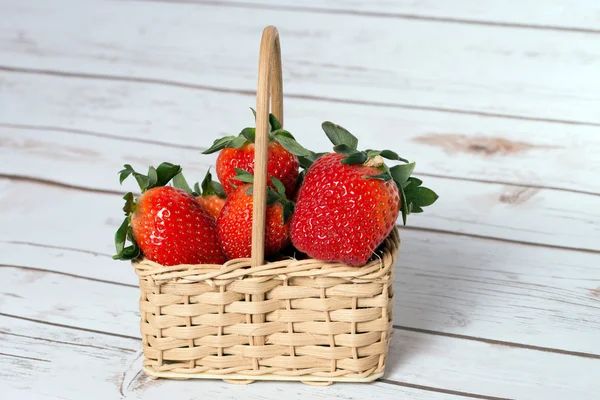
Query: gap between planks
{"points": [[445, 391], [398, 327], [384, 380], [201, 148], [375, 14], [68, 343], [23, 357], [193, 86], [41, 181]]}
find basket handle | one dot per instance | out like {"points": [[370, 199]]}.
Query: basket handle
{"points": [[270, 87]]}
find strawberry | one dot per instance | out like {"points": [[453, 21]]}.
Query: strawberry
{"points": [[212, 197], [166, 224], [238, 152], [234, 225], [349, 201]]}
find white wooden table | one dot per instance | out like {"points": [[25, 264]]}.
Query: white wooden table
{"points": [[497, 285]]}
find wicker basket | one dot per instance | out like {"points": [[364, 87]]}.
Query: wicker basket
{"points": [[300, 320]]}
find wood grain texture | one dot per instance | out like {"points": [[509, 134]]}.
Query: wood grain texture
{"points": [[484, 209], [565, 15], [465, 286], [47, 362], [488, 70], [415, 358], [497, 103], [450, 145]]}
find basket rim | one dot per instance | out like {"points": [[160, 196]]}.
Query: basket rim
{"points": [[292, 267]]}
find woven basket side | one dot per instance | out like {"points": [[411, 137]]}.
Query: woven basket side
{"points": [[328, 324]]}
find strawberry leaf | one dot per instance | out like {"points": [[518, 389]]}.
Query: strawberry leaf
{"points": [[141, 179], [219, 144], [355, 158], [401, 173], [165, 172], [152, 177], [275, 125], [308, 160], [422, 196], [218, 189], [278, 186], [339, 135], [385, 176], [288, 210], [249, 134], [244, 176], [206, 182], [180, 183], [131, 252], [272, 196], [285, 139], [344, 149], [412, 182], [237, 142], [124, 173], [123, 234], [210, 187], [129, 206], [404, 205], [120, 237], [392, 155], [282, 132]]}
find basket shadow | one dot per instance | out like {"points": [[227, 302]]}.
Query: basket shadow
{"points": [[435, 291]]}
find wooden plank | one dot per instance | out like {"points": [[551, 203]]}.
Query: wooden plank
{"points": [[483, 209], [540, 14], [46, 361], [447, 283], [461, 146], [415, 358], [423, 64]]}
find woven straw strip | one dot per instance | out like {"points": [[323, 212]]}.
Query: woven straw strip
{"points": [[241, 267]]}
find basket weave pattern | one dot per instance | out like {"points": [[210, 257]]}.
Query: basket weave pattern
{"points": [[321, 319]]}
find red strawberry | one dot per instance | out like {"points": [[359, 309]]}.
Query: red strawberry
{"points": [[212, 205], [234, 225], [238, 152], [212, 198], [281, 164], [349, 202], [166, 224]]}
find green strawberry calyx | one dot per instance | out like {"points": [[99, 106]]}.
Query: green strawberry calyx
{"points": [[413, 196], [156, 177], [248, 135], [276, 195], [207, 188]]}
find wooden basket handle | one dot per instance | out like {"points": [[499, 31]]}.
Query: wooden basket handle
{"points": [[270, 87]]}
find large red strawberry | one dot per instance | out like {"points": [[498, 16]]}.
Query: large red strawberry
{"points": [[166, 224], [349, 201], [234, 225], [238, 152]]}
